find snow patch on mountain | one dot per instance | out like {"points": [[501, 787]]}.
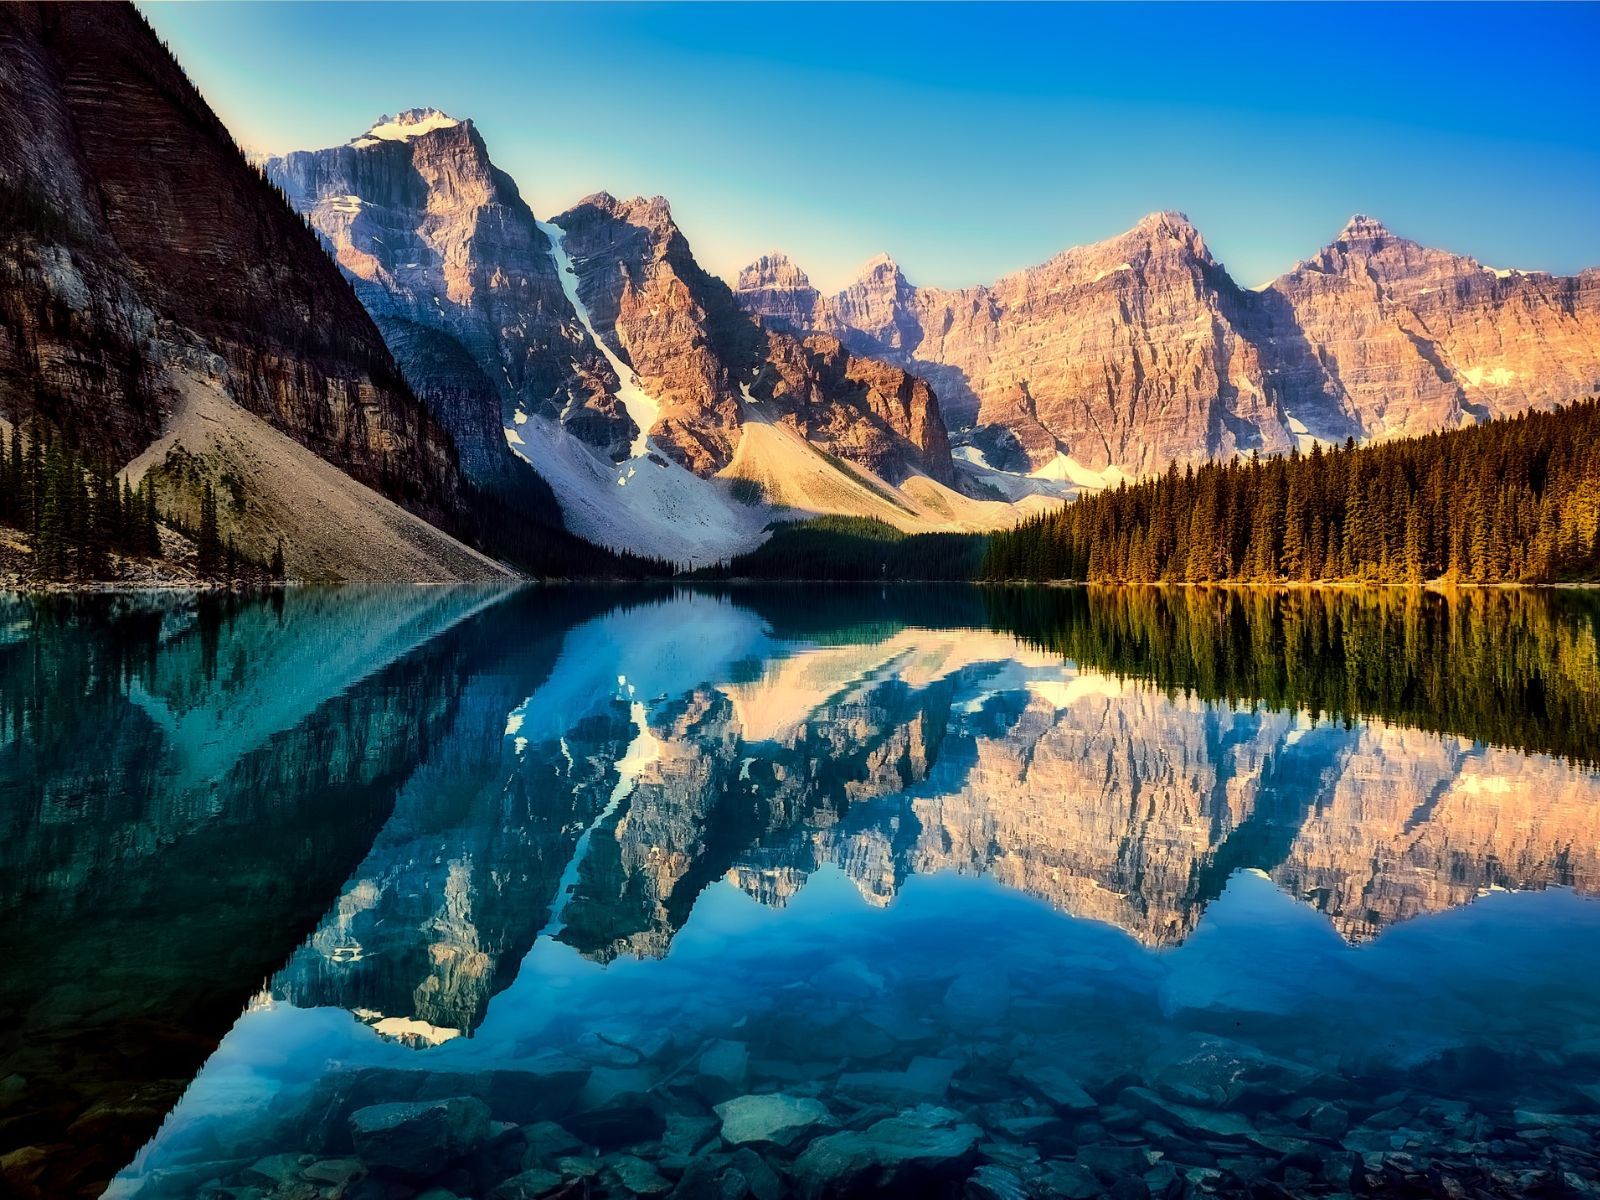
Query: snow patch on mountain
{"points": [[412, 123], [647, 505], [643, 408]]}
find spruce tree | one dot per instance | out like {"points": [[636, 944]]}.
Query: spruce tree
{"points": [[208, 546]]}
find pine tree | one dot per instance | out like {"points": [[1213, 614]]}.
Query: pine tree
{"points": [[208, 546], [152, 534]]}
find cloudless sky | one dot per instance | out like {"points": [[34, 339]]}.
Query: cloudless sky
{"points": [[967, 141]]}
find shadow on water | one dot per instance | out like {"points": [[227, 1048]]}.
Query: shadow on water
{"points": [[527, 847]]}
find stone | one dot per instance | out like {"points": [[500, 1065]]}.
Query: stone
{"points": [[924, 1080], [637, 1176], [776, 1118], [547, 1140], [274, 1170], [711, 1178], [687, 1132], [1053, 1084], [760, 1179], [623, 1120], [419, 1137], [1200, 1122], [922, 1148], [529, 1185], [722, 1070], [572, 1166], [544, 1090], [991, 1182], [1113, 1162], [1328, 1120], [337, 1172], [1071, 1181]]}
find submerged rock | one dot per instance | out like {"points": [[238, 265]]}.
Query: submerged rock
{"points": [[1053, 1084], [722, 1070], [776, 1118], [920, 1148], [529, 1185], [925, 1080], [419, 1137], [995, 1183]]}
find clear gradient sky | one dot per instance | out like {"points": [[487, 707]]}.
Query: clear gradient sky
{"points": [[967, 141]]}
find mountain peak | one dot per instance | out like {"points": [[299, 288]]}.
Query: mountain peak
{"points": [[1169, 219], [879, 266], [1165, 226], [774, 270], [1362, 228], [402, 127]]}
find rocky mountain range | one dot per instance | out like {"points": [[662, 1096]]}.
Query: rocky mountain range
{"points": [[666, 418], [478, 377], [1121, 357], [160, 304]]}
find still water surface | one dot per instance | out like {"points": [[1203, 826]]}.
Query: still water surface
{"points": [[457, 892]]}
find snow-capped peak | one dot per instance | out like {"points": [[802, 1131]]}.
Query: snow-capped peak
{"points": [[402, 127]]}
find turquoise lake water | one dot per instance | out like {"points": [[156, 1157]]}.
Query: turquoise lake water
{"points": [[819, 892]]}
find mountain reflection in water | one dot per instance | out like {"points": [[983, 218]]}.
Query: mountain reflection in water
{"points": [[526, 847]]}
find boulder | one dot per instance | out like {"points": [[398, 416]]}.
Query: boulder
{"points": [[775, 1118], [995, 1183], [530, 1185], [419, 1137], [923, 1148], [722, 1070], [638, 1177], [1053, 1084]]}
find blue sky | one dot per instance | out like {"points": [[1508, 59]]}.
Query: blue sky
{"points": [[967, 141]]}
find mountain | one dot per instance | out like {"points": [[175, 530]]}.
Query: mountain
{"points": [[160, 304], [444, 253], [1410, 340], [594, 346], [1121, 357]]}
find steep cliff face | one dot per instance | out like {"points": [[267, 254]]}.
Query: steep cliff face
{"points": [[144, 251], [675, 326], [448, 259], [1124, 356], [1410, 340], [701, 356]]}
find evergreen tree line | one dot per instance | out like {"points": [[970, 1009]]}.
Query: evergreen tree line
{"points": [[73, 514], [1514, 500], [219, 558]]}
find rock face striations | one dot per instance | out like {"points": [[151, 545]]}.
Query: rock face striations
{"points": [[1133, 353], [146, 260], [447, 258], [1410, 340]]}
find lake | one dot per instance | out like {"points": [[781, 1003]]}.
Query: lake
{"points": [[460, 892]]}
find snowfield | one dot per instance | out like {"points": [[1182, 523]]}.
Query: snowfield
{"points": [[642, 506]]}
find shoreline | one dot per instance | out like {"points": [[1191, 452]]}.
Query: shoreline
{"points": [[128, 587]]}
